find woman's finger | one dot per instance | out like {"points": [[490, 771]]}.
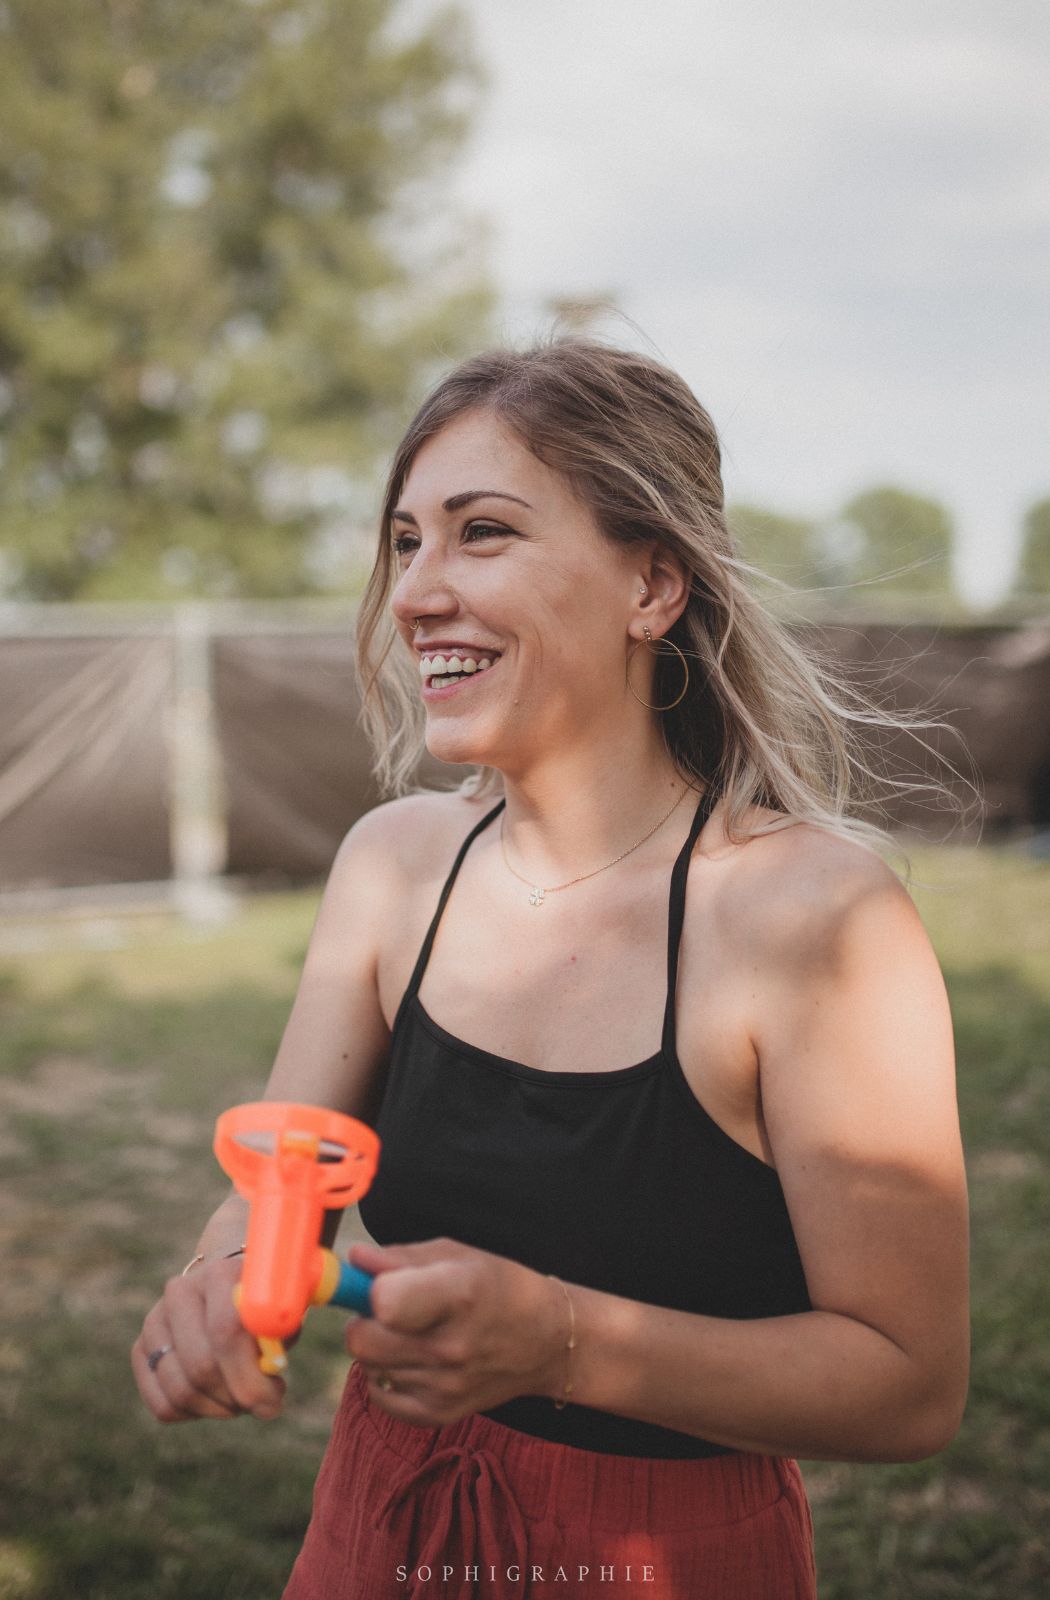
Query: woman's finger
{"points": [[197, 1359], [164, 1387], [418, 1298], [371, 1341], [412, 1395], [237, 1355]]}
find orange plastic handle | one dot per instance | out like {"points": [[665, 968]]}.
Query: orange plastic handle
{"points": [[292, 1163]]}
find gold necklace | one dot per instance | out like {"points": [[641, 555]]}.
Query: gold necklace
{"points": [[537, 895]]}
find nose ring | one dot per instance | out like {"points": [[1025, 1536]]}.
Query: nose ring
{"points": [[415, 623]]}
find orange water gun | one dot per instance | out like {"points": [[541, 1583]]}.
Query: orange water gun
{"points": [[292, 1163]]}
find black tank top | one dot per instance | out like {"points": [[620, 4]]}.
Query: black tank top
{"points": [[617, 1180]]}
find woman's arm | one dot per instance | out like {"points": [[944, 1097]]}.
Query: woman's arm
{"points": [[333, 1051], [858, 1092], [336, 1039]]}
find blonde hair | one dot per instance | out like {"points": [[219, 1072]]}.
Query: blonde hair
{"points": [[766, 718]]}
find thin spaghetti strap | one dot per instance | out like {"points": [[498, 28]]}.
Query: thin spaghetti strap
{"points": [[424, 954], [676, 914]]}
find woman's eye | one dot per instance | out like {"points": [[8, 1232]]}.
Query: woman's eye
{"points": [[404, 544], [485, 530]]}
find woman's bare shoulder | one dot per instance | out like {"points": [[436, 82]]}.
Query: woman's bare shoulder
{"points": [[410, 837], [792, 884]]}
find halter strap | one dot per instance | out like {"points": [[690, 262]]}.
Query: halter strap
{"points": [[676, 914], [424, 954]]}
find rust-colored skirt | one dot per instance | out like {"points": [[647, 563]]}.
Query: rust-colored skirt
{"points": [[476, 1509]]}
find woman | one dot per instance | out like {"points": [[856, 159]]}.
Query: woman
{"points": [[672, 1187]]}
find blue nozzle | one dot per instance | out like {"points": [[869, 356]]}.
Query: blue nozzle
{"points": [[352, 1292]]}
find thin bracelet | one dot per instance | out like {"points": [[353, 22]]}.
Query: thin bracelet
{"points": [[227, 1257], [559, 1405]]}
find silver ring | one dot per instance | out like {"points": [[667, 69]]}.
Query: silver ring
{"points": [[384, 1382], [155, 1357]]}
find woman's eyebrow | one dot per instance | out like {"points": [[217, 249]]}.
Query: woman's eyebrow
{"points": [[456, 502]]}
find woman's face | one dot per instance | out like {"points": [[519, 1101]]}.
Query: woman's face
{"points": [[521, 577]]}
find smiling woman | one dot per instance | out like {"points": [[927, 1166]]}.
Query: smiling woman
{"points": [[671, 1188], [628, 444]]}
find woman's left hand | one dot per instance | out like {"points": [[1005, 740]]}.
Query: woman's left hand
{"points": [[458, 1330]]}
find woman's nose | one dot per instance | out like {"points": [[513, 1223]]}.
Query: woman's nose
{"points": [[422, 589]]}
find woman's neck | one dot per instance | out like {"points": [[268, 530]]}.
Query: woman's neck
{"points": [[567, 815]]}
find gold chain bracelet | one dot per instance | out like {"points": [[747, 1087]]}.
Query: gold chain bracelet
{"points": [[559, 1405], [227, 1257]]}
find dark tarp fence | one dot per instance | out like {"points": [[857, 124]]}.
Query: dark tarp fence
{"points": [[991, 684], [86, 748], [295, 767], [83, 763]]}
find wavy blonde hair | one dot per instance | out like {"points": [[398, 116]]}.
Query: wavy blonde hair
{"points": [[767, 718]]}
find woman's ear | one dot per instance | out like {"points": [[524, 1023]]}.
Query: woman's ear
{"points": [[661, 590]]}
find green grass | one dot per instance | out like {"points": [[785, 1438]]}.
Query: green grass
{"points": [[113, 1067]]}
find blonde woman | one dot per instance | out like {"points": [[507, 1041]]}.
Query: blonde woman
{"points": [[672, 1189]]}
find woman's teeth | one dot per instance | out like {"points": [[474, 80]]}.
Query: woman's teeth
{"points": [[438, 669]]}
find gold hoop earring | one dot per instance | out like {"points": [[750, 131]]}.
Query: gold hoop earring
{"points": [[681, 656]]}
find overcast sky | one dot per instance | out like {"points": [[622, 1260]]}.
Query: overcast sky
{"points": [[832, 218]]}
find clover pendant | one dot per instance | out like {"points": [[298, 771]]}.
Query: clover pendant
{"points": [[535, 897]]}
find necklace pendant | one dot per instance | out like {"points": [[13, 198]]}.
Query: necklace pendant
{"points": [[535, 897]]}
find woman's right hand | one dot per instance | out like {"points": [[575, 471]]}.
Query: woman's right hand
{"points": [[332, 1053], [210, 1365]]}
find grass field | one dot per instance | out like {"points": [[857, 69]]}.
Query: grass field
{"points": [[113, 1066]]}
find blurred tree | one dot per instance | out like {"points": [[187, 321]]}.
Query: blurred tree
{"points": [[784, 547], [902, 543], [1033, 575], [223, 267]]}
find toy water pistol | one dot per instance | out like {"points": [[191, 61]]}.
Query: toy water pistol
{"points": [[292, 1163]]}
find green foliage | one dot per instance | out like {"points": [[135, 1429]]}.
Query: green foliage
{"points": [[784, 547], [904, 540], [1033, 575], [219, 281], [886, 546]]}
